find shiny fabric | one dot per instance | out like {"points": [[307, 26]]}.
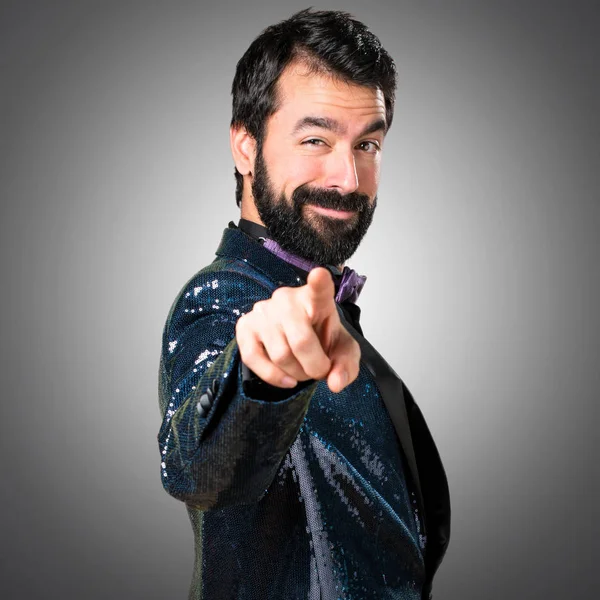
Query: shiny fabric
{"points": [[305, 497]]}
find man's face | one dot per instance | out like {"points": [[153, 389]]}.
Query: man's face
{"points": [[316, 175]]}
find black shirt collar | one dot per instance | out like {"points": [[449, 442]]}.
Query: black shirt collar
{"points": [[253, 229]]}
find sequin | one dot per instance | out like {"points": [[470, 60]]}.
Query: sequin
{"points": [[306, 497]]}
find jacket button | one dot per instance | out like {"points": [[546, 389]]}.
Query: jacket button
{"points": [[214, 388], [206, 401], [201, 411]]}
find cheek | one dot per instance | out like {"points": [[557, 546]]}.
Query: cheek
{"points": [[294, 171], [368, 176]]}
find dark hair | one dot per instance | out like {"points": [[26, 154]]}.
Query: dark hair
{"points": [[326, 41]]}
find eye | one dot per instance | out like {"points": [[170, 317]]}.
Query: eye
{"points": [[313, 142], [370, 146]]}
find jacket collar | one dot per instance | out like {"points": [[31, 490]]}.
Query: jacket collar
{"points": [[236, 244]]}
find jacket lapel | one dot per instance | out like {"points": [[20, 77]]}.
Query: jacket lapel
{"points": [[420, 452], [391, 389]]}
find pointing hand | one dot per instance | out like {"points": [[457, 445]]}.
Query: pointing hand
{"points": [[297, 335]]}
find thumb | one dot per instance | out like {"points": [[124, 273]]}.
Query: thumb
{"points": [[345, 361]]}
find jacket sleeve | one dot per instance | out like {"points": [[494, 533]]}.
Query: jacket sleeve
{"points": [[219, 446]]}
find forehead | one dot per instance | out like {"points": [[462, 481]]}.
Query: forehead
{"points": [[303, 93]]}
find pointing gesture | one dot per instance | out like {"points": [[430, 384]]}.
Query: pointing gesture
{"points": [[297, 335]]}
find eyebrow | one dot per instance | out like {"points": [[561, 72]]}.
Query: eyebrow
{"points": [[335, 126], [378, 125]]}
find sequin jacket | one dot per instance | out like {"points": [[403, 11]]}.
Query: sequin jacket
{"points": [[312, 496]]}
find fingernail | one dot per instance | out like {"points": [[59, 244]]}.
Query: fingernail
{"points": [[288, 382]]}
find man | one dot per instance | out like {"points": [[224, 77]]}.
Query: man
{"points": [[307, 469]]}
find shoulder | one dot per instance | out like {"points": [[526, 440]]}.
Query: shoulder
{"points": [[226, 288]]}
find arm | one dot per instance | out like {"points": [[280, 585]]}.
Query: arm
{"points": [[229, 452]]}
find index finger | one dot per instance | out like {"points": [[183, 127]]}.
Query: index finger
{"points": [[319, 290]]}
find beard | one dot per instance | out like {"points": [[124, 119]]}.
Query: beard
{"points": [[316, 237]]}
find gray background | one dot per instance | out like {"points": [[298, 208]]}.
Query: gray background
{"points": [[116, 183]]}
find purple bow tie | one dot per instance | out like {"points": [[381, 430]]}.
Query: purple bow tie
{"points": [[350, 286]]}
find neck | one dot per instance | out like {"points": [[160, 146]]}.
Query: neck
{"points": [[249, 211]]}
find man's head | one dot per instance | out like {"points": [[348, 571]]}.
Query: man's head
{"points": [[313, 97]]}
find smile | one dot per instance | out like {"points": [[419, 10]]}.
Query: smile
{"points": [[330, 212]]}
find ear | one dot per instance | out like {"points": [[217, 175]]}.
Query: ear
{"points": [[243, 149]]}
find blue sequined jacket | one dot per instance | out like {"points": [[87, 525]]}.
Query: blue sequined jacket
{"points": [[313, 495]]}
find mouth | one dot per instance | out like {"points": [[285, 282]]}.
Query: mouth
{"points": [[330, 212]]}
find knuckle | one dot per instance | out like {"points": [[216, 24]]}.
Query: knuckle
{"points": [[260, 307], [281, 294], [245, 328], [247, 349], [300, 342], [281, 354], [241, 324]]}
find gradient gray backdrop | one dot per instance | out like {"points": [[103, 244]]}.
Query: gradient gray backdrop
{"points": [[116, 183]]}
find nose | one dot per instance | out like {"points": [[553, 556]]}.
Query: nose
{"points": [[341, 172]]}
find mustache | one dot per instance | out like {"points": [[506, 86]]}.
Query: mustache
{"points": [[353, 201]]}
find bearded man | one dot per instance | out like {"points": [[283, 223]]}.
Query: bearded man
{"points": [[307, 469]]}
